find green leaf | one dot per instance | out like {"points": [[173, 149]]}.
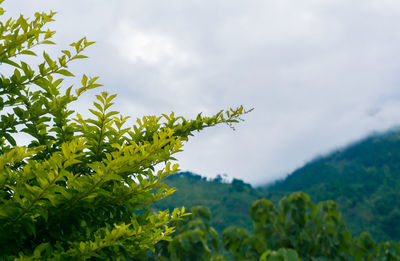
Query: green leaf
{"points": [[67, 53], [10, 139], [48, 42], [48, 59], [79, 56], [7, 61], [28, 52], [65, 72]]}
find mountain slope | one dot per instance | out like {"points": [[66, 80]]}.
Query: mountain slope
{"points": [[229, 202], [363, 178]]}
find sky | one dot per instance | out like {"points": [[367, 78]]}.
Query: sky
{"points": [[319, 74]]}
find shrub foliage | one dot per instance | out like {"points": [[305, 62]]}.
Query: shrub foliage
{"points": [[81, 187]]}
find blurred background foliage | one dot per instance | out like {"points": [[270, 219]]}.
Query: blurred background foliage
{"points": [[363, 179]]}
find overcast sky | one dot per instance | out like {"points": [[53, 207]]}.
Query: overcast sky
{"points": [[320, 74]]}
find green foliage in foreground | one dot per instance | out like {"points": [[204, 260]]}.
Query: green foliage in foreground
{"points": [[297, 230], [195, 239], [81, 189]]}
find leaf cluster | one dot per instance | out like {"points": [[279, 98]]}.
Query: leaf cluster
{"points": [[82, 187], [194, 239]]}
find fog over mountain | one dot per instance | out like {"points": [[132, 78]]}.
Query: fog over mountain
{"points": [[320, 74]]}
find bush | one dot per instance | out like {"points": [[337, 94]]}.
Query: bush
{"points": [[81, 188]]}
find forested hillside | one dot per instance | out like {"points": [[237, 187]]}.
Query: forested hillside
{"points": [[364, 179], [228, 202]]}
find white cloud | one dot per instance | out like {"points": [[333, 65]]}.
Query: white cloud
{"points": [[151, 48]]}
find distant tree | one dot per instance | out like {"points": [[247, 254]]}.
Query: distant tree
{"points": [[81, 189], [314, 232], [239, 185], [218, 179]]}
